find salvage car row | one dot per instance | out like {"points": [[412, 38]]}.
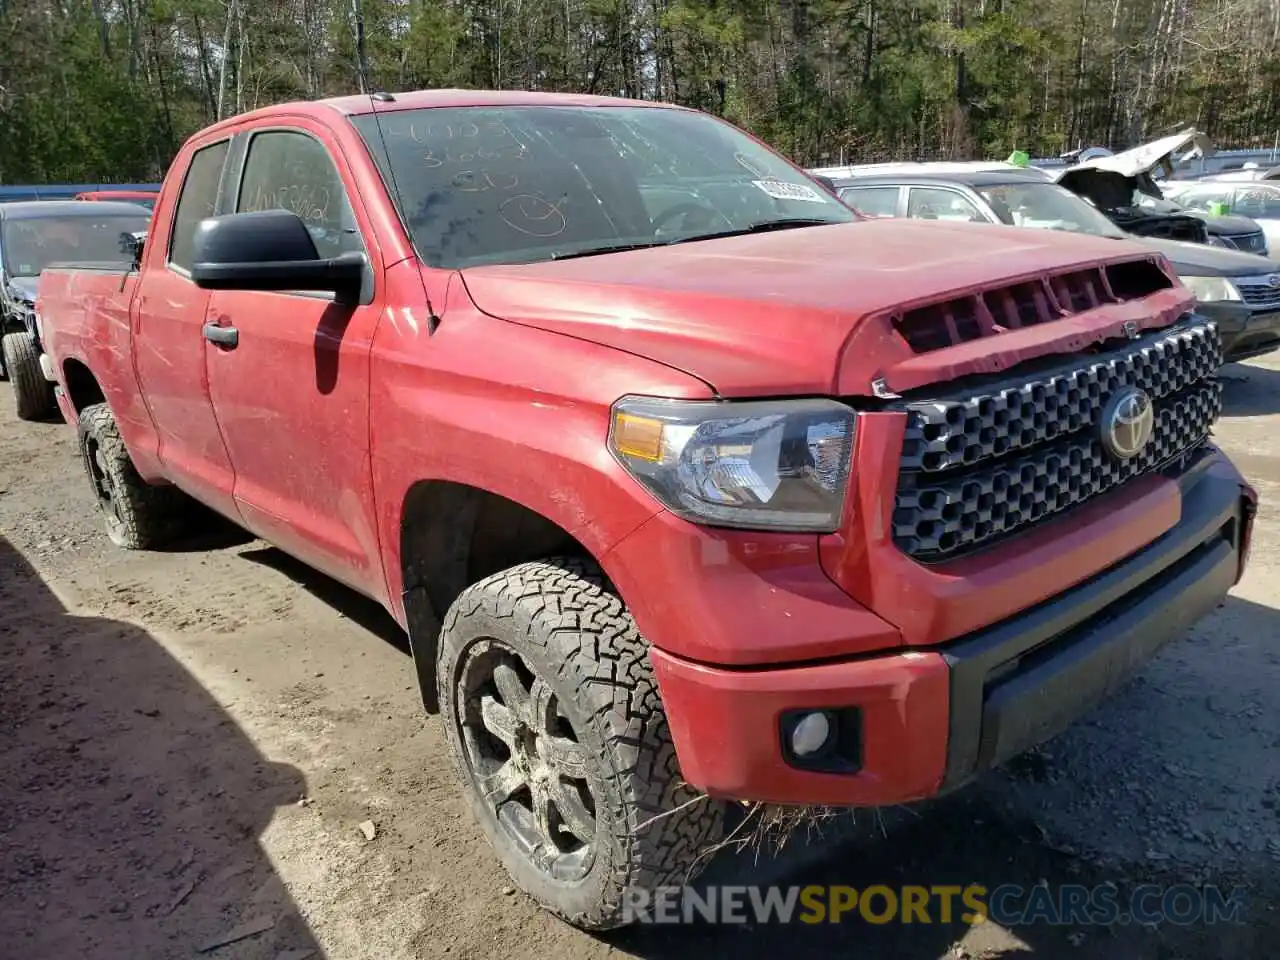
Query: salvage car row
{"points": [[687, 484], [35, 235], [1239, 291]]}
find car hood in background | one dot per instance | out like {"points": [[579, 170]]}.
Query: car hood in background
{"points": [[1229, 225], [24, 287], [1149, 156], [1203, 260]]}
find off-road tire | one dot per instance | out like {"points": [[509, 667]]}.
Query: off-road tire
{"points": [[32, 393], [145, 516], [652, 829]]}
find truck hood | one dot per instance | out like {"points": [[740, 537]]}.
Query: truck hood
{"points": [[1203, 260], [775, 313]]}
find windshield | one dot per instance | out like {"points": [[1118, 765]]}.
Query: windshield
{"points": [[31, 244], [519, 184], [1046, 206]]}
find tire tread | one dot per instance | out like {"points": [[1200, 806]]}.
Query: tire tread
{"points": [[32, 393], [150, 515]]}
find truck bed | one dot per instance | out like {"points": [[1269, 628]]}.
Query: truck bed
{"points": [[84, 311]]}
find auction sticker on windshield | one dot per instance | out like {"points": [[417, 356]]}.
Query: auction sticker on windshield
{"points": [[781, 190]]}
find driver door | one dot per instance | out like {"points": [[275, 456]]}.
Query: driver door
{"points": [[292, 394]]}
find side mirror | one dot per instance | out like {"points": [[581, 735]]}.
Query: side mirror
{"points": [[133, 244], [271, 250], [826, 184]]}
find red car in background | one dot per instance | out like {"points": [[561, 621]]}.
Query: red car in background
{"points": [[143, 198]]}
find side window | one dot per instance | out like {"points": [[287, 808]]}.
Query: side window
{"points": [[932, 203], [292, 171], [1257, 201], [198, 199], [872, 201]]}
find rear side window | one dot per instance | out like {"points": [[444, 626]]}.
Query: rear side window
{"points": [[872, 201], [929, 203], [293, 171], [1258, 201], [198, 200]]}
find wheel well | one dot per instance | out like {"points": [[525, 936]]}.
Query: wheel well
{"points": [[452, 535], [82, 385]]}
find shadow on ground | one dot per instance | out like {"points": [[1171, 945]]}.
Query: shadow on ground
{"points": [[367, 613], [1249, 391], [130, 802]]}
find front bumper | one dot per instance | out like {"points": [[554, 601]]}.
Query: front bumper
{"points": [[930, 719], [1246, 331]]}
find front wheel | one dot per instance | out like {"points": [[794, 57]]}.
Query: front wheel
{"points": [[557, 730], [138, 516]]}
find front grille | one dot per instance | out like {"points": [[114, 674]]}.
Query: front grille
{"points": [[1249, 242], [980, 465], [1258, 292], [935, 326]]}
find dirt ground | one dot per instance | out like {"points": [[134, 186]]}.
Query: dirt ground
{"points": [[190, 741]]}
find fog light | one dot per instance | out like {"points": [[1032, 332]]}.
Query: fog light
{"points": [[810, 734]]}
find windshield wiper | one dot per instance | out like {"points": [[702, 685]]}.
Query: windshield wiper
{"points": [[761, 226], [608, 248]]}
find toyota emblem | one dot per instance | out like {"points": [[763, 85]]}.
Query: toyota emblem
{"points": [[1274, 280], [1127, 422]]}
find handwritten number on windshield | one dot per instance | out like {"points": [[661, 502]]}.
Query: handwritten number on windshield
{"points": [[492, 142], [478, 181], [443, 131]]}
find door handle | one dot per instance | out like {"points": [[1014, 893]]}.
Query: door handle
{"points": [[228, 337]]}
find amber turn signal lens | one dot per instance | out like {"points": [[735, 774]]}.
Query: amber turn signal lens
{"points": [[636, 436]]}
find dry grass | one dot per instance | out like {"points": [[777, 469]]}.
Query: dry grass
{"points": [[767, 828]]}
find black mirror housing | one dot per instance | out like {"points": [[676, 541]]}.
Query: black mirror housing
{"points": [[271, 250], [826, 184], [133, 244]]}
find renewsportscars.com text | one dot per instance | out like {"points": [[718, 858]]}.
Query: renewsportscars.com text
{"points": [[1007, 904]]}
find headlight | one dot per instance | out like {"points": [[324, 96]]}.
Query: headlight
{"points": [[1219, 241], [1211, 289], [774, 464]]}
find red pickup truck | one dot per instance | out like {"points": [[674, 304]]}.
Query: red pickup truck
{"points": [[687, 484]]}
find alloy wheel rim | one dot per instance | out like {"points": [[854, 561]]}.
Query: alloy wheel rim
{"points": [[527, 762]]}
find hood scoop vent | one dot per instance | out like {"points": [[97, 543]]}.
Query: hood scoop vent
{"points": [[937, 326]]}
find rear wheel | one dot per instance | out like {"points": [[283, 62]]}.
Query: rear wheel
{"points": [[560, 737], [138, 515], [32, 393]]}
